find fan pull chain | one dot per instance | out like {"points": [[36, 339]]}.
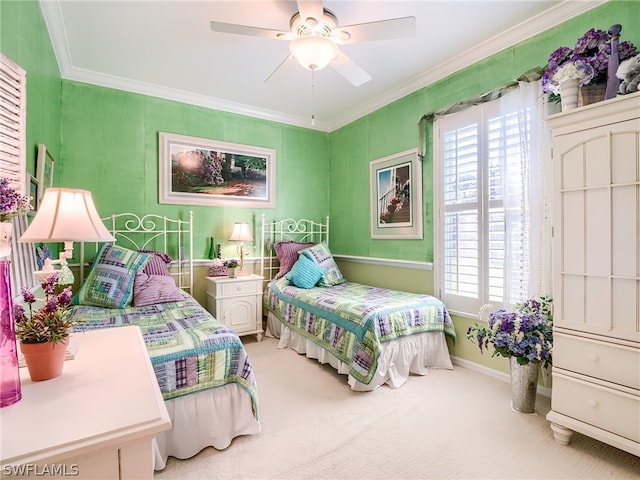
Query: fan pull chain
{"points": [[313, 85]]}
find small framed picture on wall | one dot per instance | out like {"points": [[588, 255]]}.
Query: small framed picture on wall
{"points": [[33, 193], [396, 196], [44, 172]]}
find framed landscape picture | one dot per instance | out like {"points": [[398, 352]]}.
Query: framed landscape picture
{"points": [[198, 171], [396, 196]]}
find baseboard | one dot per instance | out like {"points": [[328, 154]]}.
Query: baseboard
{"points": [[490, 372]]}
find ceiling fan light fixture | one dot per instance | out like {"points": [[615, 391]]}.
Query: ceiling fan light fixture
{"points": [[313, 51]]}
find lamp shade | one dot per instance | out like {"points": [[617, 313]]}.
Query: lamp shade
{"points": [[66, 215], [314, 52], [241, 233]]}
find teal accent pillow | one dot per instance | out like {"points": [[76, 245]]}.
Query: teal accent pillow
{"points": [[111, 278], [304, 273], [321, 256]]}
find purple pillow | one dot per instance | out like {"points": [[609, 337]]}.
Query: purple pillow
{"points": [[287, 252], [152, 289], [157, 265]]}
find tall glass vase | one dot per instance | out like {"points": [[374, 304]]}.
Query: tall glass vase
{"points": [[10, 391]]}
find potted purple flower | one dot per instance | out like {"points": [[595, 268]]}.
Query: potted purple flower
{"points": [[44, 332], [12, 204], [525, 337]]}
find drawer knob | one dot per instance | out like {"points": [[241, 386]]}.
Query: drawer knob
{"points": [[592, 403], [238, 288], [594, 357]]}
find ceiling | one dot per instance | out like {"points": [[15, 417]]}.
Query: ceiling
{"points": [[167, 49]]}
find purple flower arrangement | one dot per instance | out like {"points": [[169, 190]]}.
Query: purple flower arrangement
{"points": [[525, 334], [592, 49], [50, 322], [12, 203]]}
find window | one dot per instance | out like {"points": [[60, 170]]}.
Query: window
{"points": [[483, 204]]}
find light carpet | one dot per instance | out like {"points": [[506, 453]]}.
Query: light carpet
{"points": [[446, 425]]}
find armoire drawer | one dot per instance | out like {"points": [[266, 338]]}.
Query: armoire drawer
{"points": [[611, 410], [606, 361]]}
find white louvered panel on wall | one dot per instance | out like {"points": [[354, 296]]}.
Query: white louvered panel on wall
{"points": [[13, 116], [13, 93]]}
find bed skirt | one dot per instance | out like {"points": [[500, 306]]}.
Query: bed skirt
{"points": [[222, 414], [414, 354]]}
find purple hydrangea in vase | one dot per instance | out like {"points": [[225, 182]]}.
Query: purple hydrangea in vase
{"points": [[593, 49], [525, 337]]}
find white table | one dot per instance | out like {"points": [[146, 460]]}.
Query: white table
{"points": [[97, 420]]}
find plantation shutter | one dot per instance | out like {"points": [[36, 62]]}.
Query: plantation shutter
{"points": [[462, 231], [483, 244], [13, 113]]}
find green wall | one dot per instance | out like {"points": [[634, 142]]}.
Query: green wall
{"points": [[394, 128], [25, 40], [106, 141], [110, 146]]}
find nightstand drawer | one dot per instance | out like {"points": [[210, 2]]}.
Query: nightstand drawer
{"points": [[613, 363], [231, 288], [605, 408]]}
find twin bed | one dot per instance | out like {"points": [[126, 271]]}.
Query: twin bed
{"points": [[203, 370], [375, 336]]}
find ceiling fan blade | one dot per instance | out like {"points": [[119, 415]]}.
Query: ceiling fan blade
{"points": [[311, 9], [381, 30], [250, 31], [349, 70], [287, 64]]}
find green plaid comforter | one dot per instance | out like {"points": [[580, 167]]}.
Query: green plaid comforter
{"points": [[189, 350], [351, 320]]}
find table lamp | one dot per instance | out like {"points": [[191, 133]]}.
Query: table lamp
{"points": [[241, 233], [65, 215]]}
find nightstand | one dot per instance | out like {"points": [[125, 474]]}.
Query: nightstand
{"points": [[237, 302]]}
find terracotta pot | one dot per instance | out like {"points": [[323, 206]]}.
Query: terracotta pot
{"points": [[44, 360]]}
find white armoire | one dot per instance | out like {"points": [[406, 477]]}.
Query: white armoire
{"points": [[596, 279]]}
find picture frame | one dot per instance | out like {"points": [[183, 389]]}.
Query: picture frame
{"points": [[34, 191], [44, 171], [396, 196], [199, 171]]}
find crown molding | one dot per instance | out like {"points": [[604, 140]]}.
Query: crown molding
{"points": [[522, 31], [149, 89], [512, 36]]}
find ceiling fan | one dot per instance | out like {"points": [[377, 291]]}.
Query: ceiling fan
{"points": [[315, 35]]}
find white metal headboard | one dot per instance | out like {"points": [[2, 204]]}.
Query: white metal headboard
{"points": [[156, 232], [299, 230]]}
